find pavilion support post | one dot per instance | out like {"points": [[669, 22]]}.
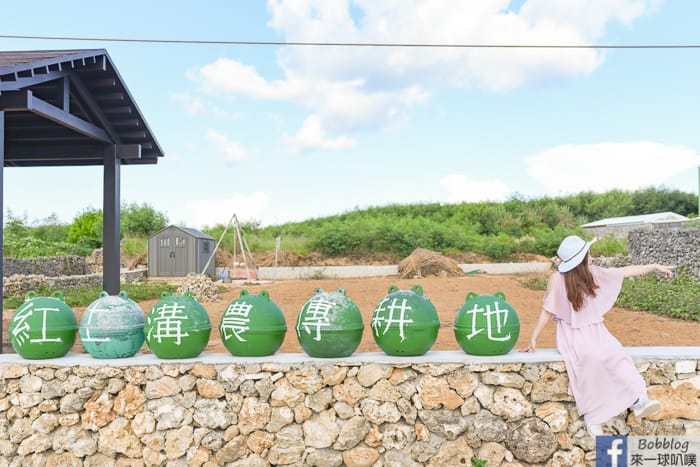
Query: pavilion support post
{"points": [[2, 212], [111, 221]]}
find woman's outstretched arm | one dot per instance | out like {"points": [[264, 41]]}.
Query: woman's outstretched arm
{"points": [[640, 269]]}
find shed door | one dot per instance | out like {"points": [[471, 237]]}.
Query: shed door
{"points": [[172, 256], [180, 256]]}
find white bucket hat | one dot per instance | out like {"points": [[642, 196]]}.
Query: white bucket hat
{"points": [[572, 251]]}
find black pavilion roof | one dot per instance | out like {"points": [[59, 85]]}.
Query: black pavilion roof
{"points": [[65, 107]]}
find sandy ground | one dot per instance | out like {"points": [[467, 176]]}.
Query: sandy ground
{"points": [[448, 295]]}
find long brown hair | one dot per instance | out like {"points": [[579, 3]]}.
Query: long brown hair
{"points": [[579, 284]]}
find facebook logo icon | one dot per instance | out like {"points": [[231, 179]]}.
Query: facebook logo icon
{"points": [[611, 451]]}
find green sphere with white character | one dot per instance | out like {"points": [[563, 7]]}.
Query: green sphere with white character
{"points": [[486, 325]]}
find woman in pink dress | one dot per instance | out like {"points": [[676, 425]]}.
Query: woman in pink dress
{"points": [[602, 377]]}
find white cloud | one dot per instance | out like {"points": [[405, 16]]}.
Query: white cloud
{"points": [[352, 88], [209, 212], [462, 189], [369, 87], [313, 136], [601, 167], [446, 22], [229, 150]]}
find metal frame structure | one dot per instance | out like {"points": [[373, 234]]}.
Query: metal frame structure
{"points": [[72, 108]]}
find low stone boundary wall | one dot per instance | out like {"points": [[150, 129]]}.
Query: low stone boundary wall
{"points": [[346, 272], [20, 285], [49, 266], [289, 409]]}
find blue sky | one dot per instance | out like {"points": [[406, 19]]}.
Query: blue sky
{"points": [[285, 133]]}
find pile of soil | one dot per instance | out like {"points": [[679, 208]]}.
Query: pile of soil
{"points": [[427, 263]]}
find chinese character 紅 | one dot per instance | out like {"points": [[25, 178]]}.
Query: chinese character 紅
{"points": [[316, 316], [168, 322], [401, 320], [235, 320], [21, 331]]}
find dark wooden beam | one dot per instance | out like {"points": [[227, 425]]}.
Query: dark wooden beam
{"points": [[64, 95], [111, 221], [37, 152], [128, 151], [111, 97], [121, 110], [40, 132], [66, 119], [25, 82], [14, 101], [65, 138], [128, 122], [104, 83], [134, 135], [85, 96], [26, 101]]}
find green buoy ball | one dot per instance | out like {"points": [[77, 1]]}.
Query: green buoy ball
{"points": [[112, 326], [43, 327], [405, 323], [177, 326], [252, 325], [329, 325], [486, 325]]}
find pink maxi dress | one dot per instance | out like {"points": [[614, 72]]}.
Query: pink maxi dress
{"points": [[602, 377]]}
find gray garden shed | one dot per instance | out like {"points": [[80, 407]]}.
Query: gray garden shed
{"points": [[177, 251]]}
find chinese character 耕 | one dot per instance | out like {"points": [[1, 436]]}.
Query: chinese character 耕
{"points": [[396, 315]]}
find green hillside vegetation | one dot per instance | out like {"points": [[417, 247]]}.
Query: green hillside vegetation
{"points": [[494, 229]]}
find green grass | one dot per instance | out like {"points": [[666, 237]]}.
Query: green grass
{"points": [[85, 296], [538, 282], [675, 298], [134, 246], [609, 246]]}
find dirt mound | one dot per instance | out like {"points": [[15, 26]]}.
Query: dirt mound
{"points": [[285, 259], [427, 263], [141, 259]]}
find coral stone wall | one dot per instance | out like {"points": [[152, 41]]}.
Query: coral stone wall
{"points": [[288, 409], [680, 247], [69, 265]]}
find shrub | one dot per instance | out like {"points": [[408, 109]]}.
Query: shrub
{"points": [[499, 247], [141, 220], [87, 228], [609, 246]]}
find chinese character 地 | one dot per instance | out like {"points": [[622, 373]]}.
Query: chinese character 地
{"points": [[168, 323], [496, 314], [235, 320], [316, 316], [393, 318]]}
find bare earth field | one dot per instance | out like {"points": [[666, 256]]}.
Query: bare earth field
{"points": [[633, 329]]}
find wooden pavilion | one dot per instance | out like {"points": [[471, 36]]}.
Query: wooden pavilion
{"points": [[72, 108]]}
